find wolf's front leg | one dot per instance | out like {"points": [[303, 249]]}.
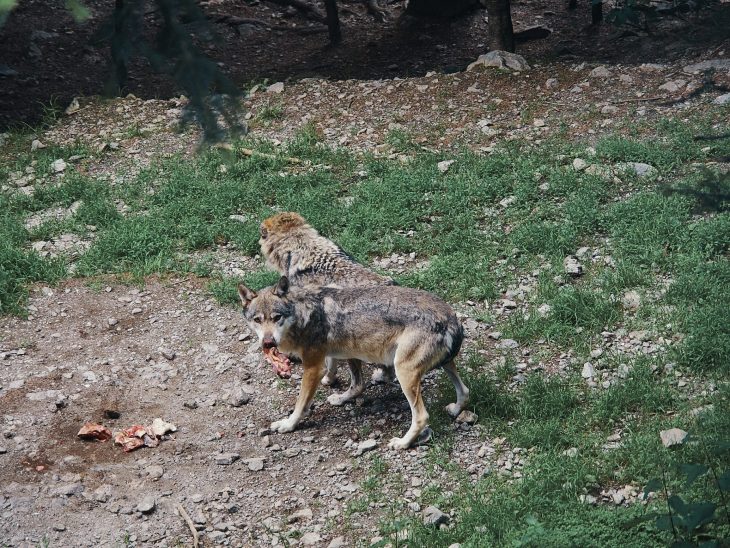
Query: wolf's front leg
{"points": [[313, 371]]}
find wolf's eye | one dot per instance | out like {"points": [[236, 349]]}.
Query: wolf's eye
{"points": [[257, 319], [276, 318]]}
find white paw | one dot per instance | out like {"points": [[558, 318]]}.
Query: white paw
{"points": [[337, 399], [327, 380], [398, 443], [283, 426], [453, 409], [382, 376]]}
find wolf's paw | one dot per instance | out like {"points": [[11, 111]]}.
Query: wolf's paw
{"points": [[453, 409], [382, 375], [398, 443], [328, 380], [283, 426]]}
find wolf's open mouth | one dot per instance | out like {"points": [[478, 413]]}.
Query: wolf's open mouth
{"points": [[280, 362]]}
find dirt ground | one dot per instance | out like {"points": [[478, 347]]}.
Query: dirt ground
{"points": [[169, 351], [46, 58]]}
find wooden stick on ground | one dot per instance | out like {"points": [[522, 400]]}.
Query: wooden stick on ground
{"points": [[184, 515]]}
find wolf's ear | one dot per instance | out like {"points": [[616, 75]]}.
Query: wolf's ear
{"points": [[246, 295], [282, 287]]}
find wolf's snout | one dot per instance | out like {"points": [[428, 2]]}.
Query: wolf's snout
{"points": [[268, 342]]}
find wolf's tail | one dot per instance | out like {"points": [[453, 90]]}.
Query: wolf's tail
{"points": [[454, 337]]}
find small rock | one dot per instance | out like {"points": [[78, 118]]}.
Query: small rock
{"points": [[238, 397], [444, 166], [722, 99], [500, 59], [168, 354], [631, 300], [305, 514], [467, 417], [36, 145], [58, 166], [673, 436], [73, 107], [588, 372], [224, 459], [434, 517], [641, 169], [255, 464], [579, 164], [507, 344], [572, 452], [112, 322], [154, 471], [600, 72], [310, 539], [618, 498], [291, 452], [59, 527], [609, 109], [572, 266], [717, 64], [278, 87], [551, 83], [147, 505], [367, 445], [673, 85], [102, 493], [337, 542]]}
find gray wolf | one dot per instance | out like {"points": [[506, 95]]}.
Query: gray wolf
{"points": [[296, 250], [409, 329]]}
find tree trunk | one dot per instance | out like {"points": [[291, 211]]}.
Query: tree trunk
{"points": [[596, 12], [333, 21], [572, 4], [499, 26]]}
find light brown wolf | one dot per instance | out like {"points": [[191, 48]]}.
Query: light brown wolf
{"points": [[295, 249], [409, 329]]}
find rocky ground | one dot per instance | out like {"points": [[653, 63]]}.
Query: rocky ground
{"points": [[121, 356]]}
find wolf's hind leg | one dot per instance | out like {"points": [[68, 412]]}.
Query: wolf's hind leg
{"points": [[330, 374], [357, 386], [462, 392], [313, 370]]}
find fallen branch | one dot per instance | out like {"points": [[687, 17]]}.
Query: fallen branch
{"points": [[638, 100], [235, 21], [184, 515], [290, 159]]}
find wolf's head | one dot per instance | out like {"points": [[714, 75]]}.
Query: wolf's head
{"points": [[281, 223], [269, 313]]}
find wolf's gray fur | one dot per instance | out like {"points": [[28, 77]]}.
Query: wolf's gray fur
{"points": [[410, 329]]}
